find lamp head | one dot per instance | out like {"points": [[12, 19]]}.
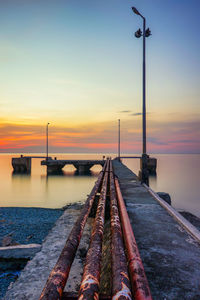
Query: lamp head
{"points": [[134, 9]]}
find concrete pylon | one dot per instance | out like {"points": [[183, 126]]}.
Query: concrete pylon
{"points": [[21, 164], [83, 168]]}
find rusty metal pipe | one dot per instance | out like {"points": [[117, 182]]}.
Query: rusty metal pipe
{"points": [[74, 296], [89, 288], [58, 277], [121, 287], [139, 283]]}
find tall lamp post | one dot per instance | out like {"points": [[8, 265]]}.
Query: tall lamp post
{"points": [[119, 139], [47, 142], [138, 34]]}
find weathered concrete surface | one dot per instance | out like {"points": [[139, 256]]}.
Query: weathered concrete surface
{"points": [[19, 251], [33, 278], [171, 257]]}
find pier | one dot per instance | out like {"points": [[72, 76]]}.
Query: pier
{"points": [[82, 166], [22, 164], [137, 247]]}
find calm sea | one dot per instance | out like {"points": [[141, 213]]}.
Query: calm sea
{"points": [[177, 175]]}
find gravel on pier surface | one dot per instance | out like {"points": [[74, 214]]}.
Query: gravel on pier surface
{"points": [[21, 225]]}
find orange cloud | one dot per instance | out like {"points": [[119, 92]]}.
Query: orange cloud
{"points": [[162, 136]]}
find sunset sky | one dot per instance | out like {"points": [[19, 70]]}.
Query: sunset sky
{"points": [[77, 65]]}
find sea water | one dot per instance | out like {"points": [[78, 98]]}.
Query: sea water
{"points": [[177, 174]]}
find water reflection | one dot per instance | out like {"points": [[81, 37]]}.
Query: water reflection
{"points": [[88, 173], [177, 175], [62, 173], [21, 186], [20, 175], [153, 179]]}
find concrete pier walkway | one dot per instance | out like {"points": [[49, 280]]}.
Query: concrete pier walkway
{"points": [[171, 257]]}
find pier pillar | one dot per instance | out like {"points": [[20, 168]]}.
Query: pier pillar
{"points": [[54, 169], [21, 164], [83, 168], [151, 164]]}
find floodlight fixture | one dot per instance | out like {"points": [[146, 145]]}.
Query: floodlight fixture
{"points": [[138, 33], [148, 32]]}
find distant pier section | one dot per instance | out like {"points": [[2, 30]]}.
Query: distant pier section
{"points": [[22, 164], [82, 166]]}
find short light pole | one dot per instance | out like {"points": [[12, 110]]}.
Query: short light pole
{"points": [[47, 142], [138, 34], [119, 139]]}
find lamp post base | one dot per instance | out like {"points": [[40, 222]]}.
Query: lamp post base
{"points": [[144, 173]]}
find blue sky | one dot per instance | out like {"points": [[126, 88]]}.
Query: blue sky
{"points": [[77, 64]]}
